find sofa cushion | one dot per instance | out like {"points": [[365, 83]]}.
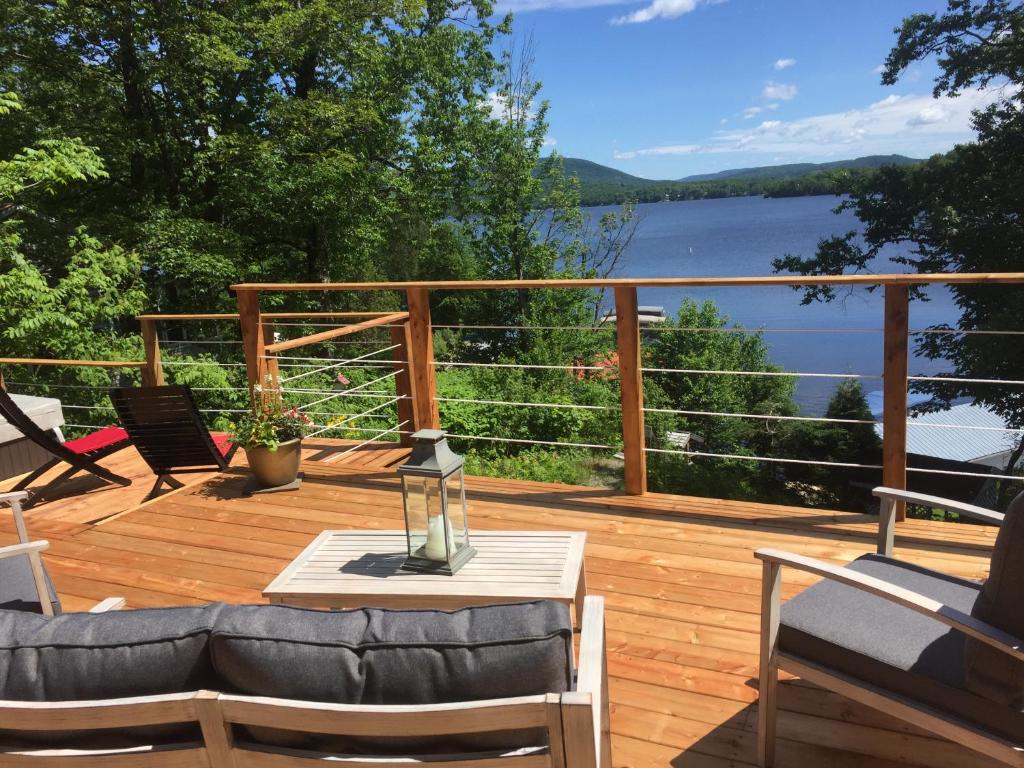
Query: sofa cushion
{"points": [[106, 655], [891, 647], [18, 589], [373, 656], [989, 672]]}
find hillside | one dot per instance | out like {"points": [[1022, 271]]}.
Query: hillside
{"points": [[601, 185], [792, 170], [589, 172]]}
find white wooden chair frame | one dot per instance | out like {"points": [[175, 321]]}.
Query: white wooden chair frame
{"points": [[34, 550], [922, 716], [577, 724]]}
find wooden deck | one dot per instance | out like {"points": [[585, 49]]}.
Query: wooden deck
{"points": [[681, 585]]}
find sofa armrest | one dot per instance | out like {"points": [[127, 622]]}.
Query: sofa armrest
{"points": [[14, 498], [586, 719], [9, 496], [29, 547], [32, 550], [889, 497], [109, 604], [986, 633]]}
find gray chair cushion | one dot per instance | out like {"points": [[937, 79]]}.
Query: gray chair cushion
{"points": [[988, 672], [18, 588], [890, 647], [372, 656]]}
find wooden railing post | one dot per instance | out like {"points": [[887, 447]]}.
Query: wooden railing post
{"points": [[405, 385], [153, 372], [894, 404], [421, 358], [253, 342], [631, 389], [271, 371]]}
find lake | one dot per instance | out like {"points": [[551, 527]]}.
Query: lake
{"points": [[741, 236]]}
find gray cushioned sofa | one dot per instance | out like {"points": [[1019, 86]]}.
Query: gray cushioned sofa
{"points": [[265, 685]]}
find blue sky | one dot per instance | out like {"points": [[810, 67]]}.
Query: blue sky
{"points": [[667, 88]]}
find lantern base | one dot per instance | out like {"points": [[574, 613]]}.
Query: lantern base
{"points": [[439, 567]]}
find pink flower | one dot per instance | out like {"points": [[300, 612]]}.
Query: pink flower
{"points": [[340, 378]]}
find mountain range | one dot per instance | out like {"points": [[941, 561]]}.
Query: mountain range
{"points": [[589, 172]]}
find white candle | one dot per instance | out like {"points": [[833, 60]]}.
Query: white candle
{"points": [[434, 549]]}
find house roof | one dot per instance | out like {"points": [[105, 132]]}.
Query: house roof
{"points": [[928, 435]]}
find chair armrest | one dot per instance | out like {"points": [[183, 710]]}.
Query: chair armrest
{"points": [[13, 496], [887, 512], [14, 550], [951, 617], [109, 604], [924, 500]]}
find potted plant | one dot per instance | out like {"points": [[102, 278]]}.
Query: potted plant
{"points": [[271, 436]]}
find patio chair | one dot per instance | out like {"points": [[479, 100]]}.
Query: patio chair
{"points": [[82, 454], [936, 651], [25, 584], [167, 429]]}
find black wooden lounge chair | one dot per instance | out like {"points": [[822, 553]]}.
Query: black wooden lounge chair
{"points": [[81, 454], [168, 431]]}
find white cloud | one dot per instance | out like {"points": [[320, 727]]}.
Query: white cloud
{"points": [[879, 69], [497, 107], [550, 142], [927, 116], [662, 9], [779, 91], [672, 149], [520, 6], [913, 125], [750, 112], [781, 64]]}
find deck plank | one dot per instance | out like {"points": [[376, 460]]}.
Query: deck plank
{"points": [[681, 585]]}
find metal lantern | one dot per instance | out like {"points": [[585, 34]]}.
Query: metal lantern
{"points": [[434, 494]]}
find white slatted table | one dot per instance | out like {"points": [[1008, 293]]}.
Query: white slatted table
{"points": [[353, 569]]}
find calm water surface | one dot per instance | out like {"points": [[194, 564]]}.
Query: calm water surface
{"points": [[741, 236]]}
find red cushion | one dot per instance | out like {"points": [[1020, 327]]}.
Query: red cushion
{"points": [[96, 440], [222, 442]]}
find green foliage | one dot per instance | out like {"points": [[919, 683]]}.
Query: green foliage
{"points": [[852, 442], [540, 464], [702, 339], [268, 423], [586, 424], [75, 309]]}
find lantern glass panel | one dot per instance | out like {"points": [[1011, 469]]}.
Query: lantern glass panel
{"points": [[423, 505], [455, 489]]}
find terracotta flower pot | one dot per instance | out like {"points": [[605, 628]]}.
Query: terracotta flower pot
{"points": [[274, 468]]}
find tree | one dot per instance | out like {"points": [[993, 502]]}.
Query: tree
{"points": [[850, 438], [701, 339], [958, 212], [73, 311]]}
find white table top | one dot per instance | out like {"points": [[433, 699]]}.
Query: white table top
{"points": [[363, 568]]}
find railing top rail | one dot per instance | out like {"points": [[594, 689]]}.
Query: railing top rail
{"points": [[951, 278], [264, 315], [79, 363], [344, 330]]}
